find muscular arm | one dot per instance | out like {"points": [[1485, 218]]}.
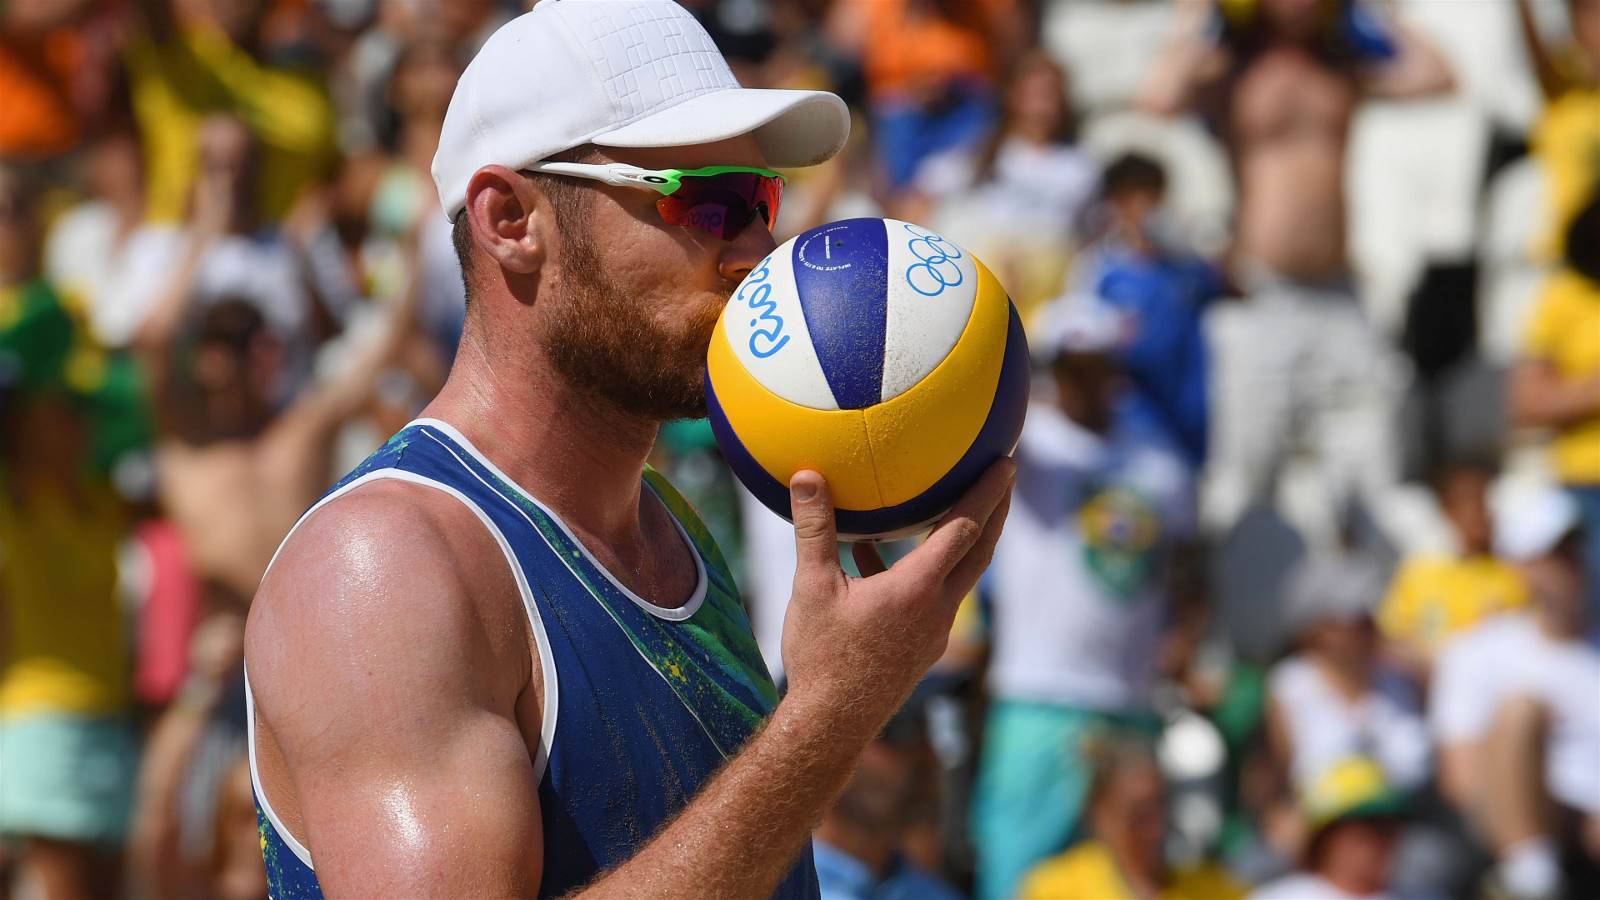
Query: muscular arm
{"points": [[413, 777], [393, 700], [1539, 397]]}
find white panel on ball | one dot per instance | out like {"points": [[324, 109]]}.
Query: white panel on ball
{"points": [[767, 330], [932, 287]]}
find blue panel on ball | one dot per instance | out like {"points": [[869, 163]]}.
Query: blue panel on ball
{"points": [[841, 272], [995, 439], [771, 492]]}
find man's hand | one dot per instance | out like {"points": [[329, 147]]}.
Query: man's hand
{"points": [[857, 646]]}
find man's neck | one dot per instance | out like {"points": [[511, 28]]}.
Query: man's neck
{"points": [[577, 454]]}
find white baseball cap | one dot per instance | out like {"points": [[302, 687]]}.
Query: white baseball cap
{"points": [[1078, 323], [616, 73]]}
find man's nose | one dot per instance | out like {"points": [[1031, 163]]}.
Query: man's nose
{"points": [[746, 250]]}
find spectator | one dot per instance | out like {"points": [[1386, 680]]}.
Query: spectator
{"points": [[1354, 818], [424, 78], [1017, 197], [189, 61], [930, 68], [1556, 385], [1333, 697], [1567, 136], [229, 442], [84, 247], [1139, 269], [1434, 597], [225, 249], [66, 736], [55, 75], [1079, 593], [858, 845], [1282, 86], [1514, 712], [1125, 859]]}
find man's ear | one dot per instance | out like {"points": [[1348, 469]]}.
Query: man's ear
{"points": [[505, 212]]}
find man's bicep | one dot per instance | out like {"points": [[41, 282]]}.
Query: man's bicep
{"points": [[453, 814], [391, 692]]}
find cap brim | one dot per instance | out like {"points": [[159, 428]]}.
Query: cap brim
{"points": [[794, 128], [1387, 805]]}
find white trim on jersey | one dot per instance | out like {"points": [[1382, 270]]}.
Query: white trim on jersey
{"points": [[678, 614], [694, 603]]}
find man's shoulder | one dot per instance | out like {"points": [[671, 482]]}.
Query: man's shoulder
{"points": [[387, 552]]}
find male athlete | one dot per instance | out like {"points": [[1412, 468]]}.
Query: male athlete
{"points": [[1297, 363], [502, 658]]}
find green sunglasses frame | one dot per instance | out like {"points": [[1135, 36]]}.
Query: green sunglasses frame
{"points": [[665, 182]]}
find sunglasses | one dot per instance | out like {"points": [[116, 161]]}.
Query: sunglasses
{"points": [[721, 200]]}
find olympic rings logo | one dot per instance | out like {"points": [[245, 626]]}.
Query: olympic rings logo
{"points": [[936, 268]]}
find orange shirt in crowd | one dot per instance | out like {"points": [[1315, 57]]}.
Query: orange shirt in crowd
{"points": [[39, 117], [911, 48]]}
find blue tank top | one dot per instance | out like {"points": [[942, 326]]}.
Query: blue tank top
{"points": [[642, 704]]}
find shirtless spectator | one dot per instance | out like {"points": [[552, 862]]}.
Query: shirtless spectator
{"points": [[1298, 362], [235, 467]]}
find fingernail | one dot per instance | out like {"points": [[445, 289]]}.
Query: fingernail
{"points": [[804, 491]]}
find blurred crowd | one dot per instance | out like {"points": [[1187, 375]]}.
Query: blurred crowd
{"points": [[1299, 596]]}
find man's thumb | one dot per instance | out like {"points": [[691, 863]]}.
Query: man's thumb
{"points": [[816, 540]]}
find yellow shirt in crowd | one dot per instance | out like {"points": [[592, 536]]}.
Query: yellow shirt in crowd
{"points": [[1565, 332], [1087, 872], [64, 647], [178, 83], [1433, 597], [1566, 141]]}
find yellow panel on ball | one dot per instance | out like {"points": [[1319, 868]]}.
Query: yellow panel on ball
{"points": [[785, 437], [919, 436]]}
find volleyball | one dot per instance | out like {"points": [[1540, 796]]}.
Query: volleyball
{"points": [[877, 353]]}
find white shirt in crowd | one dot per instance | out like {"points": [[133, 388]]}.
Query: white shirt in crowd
{"points": [[262, 269], [1038, 192], [1323, 727], [1507, 656], [1305, 886], [1077, 581]]}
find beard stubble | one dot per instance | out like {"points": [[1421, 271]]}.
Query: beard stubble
{"points": [[607, 345]]}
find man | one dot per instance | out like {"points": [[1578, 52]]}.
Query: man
{"points": [[1335, 696], [190, 60], [1080, 597], [245, 442], [496, 661], [858, 844], [1126, 856], [1162, 290], [242, 449], [1354, 817], [1434, 597], [1556, 384], [1513, 708], [1281, 88]]}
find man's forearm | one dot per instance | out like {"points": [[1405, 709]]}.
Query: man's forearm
{"points": [[744, 831], [1542, 399]]}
